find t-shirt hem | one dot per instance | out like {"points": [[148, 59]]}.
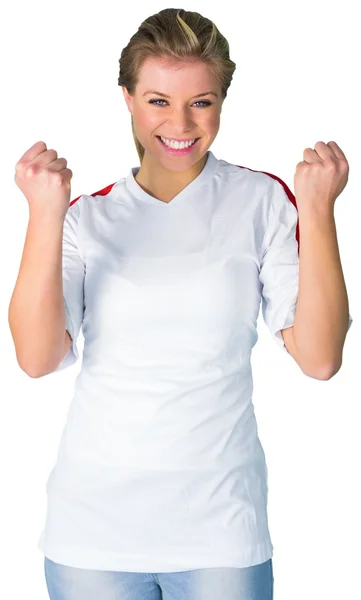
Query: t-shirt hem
{"points": [[144, 563]]}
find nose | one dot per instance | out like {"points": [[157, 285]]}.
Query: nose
{"points": [[181, 121]]}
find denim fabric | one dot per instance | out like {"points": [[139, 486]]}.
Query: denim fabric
{"points": [[70, 583]]}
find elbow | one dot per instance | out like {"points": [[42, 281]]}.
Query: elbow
{"points": [[35, 375], [31, 372], [324, 374], [37, 364], [32, 369], [38, 369]]}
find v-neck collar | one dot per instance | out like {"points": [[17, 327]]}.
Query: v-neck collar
{"points": [[208, 170]]}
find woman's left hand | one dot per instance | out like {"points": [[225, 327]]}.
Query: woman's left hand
{"points": [[321, 177]]}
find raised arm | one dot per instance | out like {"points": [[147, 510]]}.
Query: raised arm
{"points": [[36, 312]]}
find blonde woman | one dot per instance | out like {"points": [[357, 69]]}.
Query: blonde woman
{"points": [[160, 484]]}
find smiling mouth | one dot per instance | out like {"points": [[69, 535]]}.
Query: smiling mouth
{"points": [[195, 139]]}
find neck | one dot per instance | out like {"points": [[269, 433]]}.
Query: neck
{"points": [[162, 183]]}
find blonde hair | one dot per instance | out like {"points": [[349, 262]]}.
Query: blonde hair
{"points": [[179, 35]]}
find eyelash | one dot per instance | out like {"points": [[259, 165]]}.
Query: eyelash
{"points": [[204, 102]]}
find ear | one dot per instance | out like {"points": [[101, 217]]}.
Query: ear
{"points": [[128, 98]]}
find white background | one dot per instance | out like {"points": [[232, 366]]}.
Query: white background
{"points": [[297, 82]]}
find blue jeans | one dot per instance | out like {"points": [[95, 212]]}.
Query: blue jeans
{"points": [[70, 583]]}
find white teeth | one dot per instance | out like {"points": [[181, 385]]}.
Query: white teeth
{"points": [[176, 145]]}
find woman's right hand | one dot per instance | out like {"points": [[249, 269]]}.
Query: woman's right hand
{"points": [[44, 180]]}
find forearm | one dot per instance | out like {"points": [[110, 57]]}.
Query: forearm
{"points": [[36, 310], [322, 311]]}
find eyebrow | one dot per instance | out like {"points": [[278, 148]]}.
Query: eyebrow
{"points": [[166, 96]]}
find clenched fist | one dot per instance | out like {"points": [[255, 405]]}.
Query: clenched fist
{"points": [[44, 180]]}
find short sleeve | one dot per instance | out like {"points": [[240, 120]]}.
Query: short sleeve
{"points": [[73, 270], [279, 268], [280, 264]]}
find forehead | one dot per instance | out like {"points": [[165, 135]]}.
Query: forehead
{"points": [[170, 75]]}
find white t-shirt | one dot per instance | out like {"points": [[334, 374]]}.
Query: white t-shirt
{"points": [[160, 467]]}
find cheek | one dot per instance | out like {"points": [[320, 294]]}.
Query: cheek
{"points": [[212, 122], [145, 123], [146, 118]]}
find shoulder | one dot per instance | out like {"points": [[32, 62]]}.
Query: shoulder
{"points": [[277, 203], [276, 191], [86, 201], [260, 182], [105, 191]]}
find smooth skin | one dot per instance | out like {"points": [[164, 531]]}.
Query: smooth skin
{"points": [[36, 311], [180, 116]]}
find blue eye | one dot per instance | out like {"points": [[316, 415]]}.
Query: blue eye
{"points": [[204, 102]]}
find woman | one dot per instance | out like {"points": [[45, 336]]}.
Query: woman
{"points": [[160, 484]]}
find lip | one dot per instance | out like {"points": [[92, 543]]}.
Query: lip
{"points": [[177, 139], [174, 152]]}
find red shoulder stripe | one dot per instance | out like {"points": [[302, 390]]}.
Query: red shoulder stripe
{"points": [[290, 196], [102, 192]]}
